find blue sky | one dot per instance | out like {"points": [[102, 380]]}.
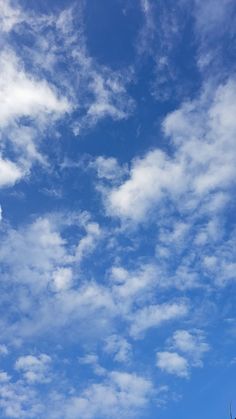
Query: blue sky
{"points": [[117, 177]]}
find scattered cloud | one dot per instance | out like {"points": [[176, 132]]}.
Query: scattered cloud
{"points": [[199, 164], [156, 315], [24, 96], [10, 16], [172, 363], [120, 394], [35, 369], [191, 345], [86, 283], [119, 348]]}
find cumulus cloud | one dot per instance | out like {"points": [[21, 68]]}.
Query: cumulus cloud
{"points": [[62, 278], [32, 253], [219, 261], [30, 102], [155, 316], [35, 369], [93, 361], [119, 348], [10, 16], [4, 377], [44, 268], [191, 345], [120, 394], [172, 363], [18, 399], [130, 285], [108, 168], [36, 254], [203, 160], [10, 172], [88, 283], [22, 95], [116, 393], [89, 241]]}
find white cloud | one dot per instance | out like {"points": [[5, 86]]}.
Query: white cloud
{"points": [[155, 316], [97, 91], [23, 95], [192, 344], [10, 173], [32, 253], [172, 363], [145, 187], [89, 241], [133, 285], [4, 377], [108, 168], [18, 400], [3, 350], [35, 369], [202, 133], [41, 263], [9, 16], [119, 347], [92, 359], [144, 41], [218, 262], [121, 394], [62, 278], [214, 22], [36, 254]]}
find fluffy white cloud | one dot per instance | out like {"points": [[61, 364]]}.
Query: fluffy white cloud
{"points": [[9, 16], [89, 241], [172, 363], [92, 359], [108, 168], [22, 95], [192, 344], [30, 103], [156, 315], [36, 254], [145, 187], [10, 173], [18, 400], [35, 369], [32, 253], [133, 285], [119, 348], [42, 264], [202, 134], [62, 278], [219, 262], [121, 394]]}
